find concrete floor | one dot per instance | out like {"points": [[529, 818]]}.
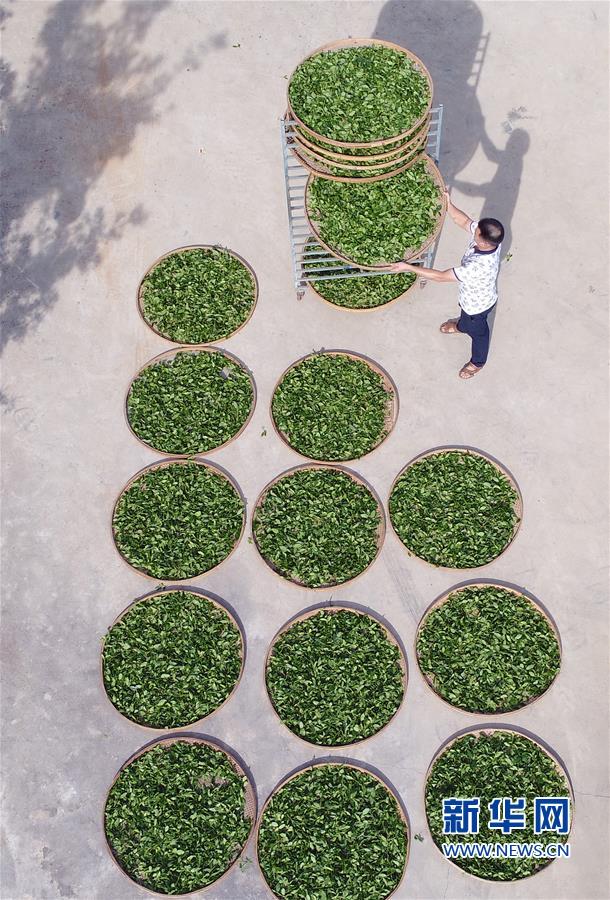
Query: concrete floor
{"points": [[134, 128]]}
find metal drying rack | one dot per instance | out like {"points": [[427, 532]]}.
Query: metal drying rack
{"points": [[296, 175]]}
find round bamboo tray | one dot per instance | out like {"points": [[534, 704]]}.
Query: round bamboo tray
{"points": [[361, 767], [250, 807], [485, 584], [199, 247], [362, 309], [339, 158], [410, 253], [317, 163], [388, 385], [381, 528], [323, 170], [151, 596], [160, 465], [363, 42], [488, 731], [171, 354], [361, 163], [518, 507], [301, 617]]}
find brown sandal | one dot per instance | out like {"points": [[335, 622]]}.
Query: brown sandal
{"points": [[469, 370], [450, 327]]}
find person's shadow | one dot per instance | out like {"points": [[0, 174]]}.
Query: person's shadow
{"points": [[500, 194], [447, 35]]}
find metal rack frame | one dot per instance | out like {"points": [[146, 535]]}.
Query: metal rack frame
{"points": [[296, 176]]}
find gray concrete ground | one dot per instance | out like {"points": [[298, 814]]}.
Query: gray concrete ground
{"points": [[134, 128]]}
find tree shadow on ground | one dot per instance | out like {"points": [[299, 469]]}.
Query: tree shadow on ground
{"points": [[89, 88]]}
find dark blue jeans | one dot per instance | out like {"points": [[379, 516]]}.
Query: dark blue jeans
{"points": [[478, 329]]}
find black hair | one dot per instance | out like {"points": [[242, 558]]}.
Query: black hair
{"points": [[491, 230]]}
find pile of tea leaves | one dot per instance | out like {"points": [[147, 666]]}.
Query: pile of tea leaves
{"points": [[332, 832], [171, 660], [178, 520], [487, 649], [366, 292], [491, 765], [359, 94], [332, 407], [191, 403], [454, 509], [377, 223], [335, 677], [317, 527], [197, 295], [174, 817]]}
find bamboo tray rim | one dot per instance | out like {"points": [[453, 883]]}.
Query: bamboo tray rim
{"points": [[179, 460], [250, 805], [322, 171], [363, 42], [470, 451], [220, 605], [171, 354], [183, 249], [389, 386], [363, 163], [457, 589], [387, 154]]}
